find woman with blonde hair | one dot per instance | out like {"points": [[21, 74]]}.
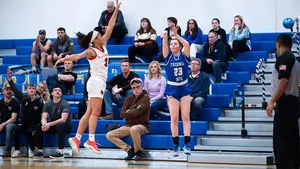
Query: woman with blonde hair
{"points": [[239, 37], [155, 85]]}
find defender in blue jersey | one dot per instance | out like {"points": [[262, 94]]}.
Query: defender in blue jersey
{"points": [[178, 89]]}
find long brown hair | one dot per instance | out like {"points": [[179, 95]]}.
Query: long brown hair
{"points": [[149, 29], [243, 25], [194, 31]]}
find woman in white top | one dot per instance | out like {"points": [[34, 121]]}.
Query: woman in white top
{"points": [[155, 85], [95, 44], [144, 42]]}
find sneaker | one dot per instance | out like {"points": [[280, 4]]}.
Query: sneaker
{"points": [[6, 153], [39, 154], [176, 150], [187, 149], [30, 153], [131, 154], [74, 143], [141, 155], [92, 145], [15, 154], [58, 154]]}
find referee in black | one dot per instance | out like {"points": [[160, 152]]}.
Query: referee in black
{"points": [[285, 102]]}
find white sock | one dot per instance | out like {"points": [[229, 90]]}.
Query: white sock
{"points": [[33, 68], [78, 136], [92, 137]]}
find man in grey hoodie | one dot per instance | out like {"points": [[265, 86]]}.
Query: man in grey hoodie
{"points": [[61, 47]]}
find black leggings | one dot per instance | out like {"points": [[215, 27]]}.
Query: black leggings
{"points": [[149, 51], [29, 133], [239, 46]]}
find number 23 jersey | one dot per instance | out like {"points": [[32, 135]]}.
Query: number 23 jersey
{"points": [[176, 68]]}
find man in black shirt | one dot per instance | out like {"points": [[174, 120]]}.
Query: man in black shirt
{"points": [[285, 101], [55, 119], [9, 109], [61, 47], [32, 106], [65, 80], [214, 56], [117, 89]]}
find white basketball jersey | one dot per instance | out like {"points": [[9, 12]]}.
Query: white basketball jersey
{"points": [[99, 64]]}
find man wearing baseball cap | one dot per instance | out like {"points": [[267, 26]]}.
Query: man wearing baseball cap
{"points": [[136, 111], [41, 48], [9, 109]]}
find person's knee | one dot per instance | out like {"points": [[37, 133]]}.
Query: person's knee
{"points": [[49, 58], [216, 65], [44, 54], [33, 56], [11, 127], [198, 101], [185, 117], [134, 130], [109, 136], [60, 126], [174, 118]]}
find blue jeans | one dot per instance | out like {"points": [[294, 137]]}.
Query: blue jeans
{"points": [[109, 99], [155, 106], [196, 108], [9, 131], [216, 67]]}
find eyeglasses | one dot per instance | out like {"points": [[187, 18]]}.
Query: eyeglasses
{"points": [[136, 87]]}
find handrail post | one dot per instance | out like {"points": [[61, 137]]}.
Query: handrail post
{"points": [[244, 131]]}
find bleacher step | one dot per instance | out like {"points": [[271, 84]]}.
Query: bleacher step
{"points": [[234, 148], [248, 113], [232, 158], [238, 133], [265, 127], [247, 119], [235, 142], [255, 100], [256, 88]]}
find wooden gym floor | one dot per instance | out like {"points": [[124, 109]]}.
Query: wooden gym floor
{"points": [[68, 163]]}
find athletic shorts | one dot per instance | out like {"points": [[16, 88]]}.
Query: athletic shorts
{"points": [[95, 87], [178, 92]]}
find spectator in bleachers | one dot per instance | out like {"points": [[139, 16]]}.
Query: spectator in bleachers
{"points": [[199, 82], [239, 37], [9, 110], [155, 85], [117, 89], [41, 48], [42, 91], [65, 80], [136, 111], [193, 35], [215, 23], [31, 106], [55, 119], [214, 58], [61, 47], [144, 42], [119, 30], [172, 23]]}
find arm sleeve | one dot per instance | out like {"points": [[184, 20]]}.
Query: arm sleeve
{"points": [[18, 94], [284, 66], [230, 40], [65, 107], [146, 84], [46, 107], [245, 34], [112, 83], [16, 108]]}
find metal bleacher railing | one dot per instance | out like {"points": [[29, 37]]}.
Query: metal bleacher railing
{"points": [[260, 77]]}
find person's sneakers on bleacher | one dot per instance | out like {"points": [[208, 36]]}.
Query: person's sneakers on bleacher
{"points": [[15, 154], [131, 154], [92, 145], [75, 143], [58, 154], [175, 150], [187, 149], [39, 154]]}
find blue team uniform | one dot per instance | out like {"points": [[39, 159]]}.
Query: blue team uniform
{"points": [[177, 76]]}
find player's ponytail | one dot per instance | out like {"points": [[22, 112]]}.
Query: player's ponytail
{"points": [[84, 40]]}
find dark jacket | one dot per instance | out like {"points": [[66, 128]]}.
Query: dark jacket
{"points": [[136, 110], [32, 110], [200, 85], [217, 52], [119, 21], [169, 32], [65, 46], [222, 33], [121, 82]]}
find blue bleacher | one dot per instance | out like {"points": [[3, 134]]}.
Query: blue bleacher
{"points": [[238, 72]]}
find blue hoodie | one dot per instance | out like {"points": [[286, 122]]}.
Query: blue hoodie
{"points": [[195, 39]]}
